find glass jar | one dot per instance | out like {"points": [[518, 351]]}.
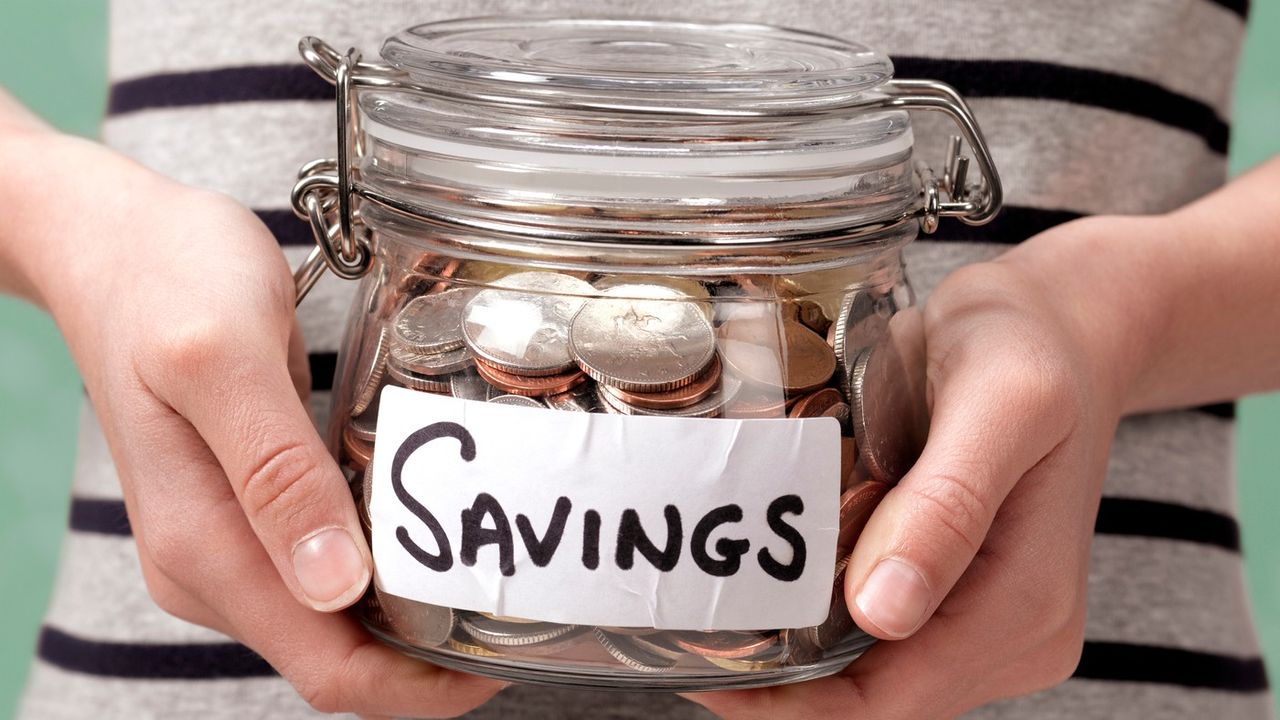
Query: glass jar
{"points": [[633, 356]]}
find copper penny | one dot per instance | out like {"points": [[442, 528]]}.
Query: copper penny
{"points": [[770, 351], [816, 404], [530, 386], [677, 398], [856, 505], [725, 644]]}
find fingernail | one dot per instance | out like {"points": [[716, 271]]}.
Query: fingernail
{"points": [[329, 568], [895, 598]]}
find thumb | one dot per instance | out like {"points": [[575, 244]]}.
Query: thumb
{"points": [[238, 394], [994, 417]]}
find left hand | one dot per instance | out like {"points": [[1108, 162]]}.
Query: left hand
{"points": [[988, 537]]}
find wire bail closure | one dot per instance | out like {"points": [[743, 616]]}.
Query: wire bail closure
{"points": [[327, 190]]}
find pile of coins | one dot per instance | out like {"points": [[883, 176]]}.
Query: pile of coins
{"points": [[638, 346]]}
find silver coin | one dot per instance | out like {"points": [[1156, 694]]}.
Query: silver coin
{"points": [[370, 380], [430, 364], [572, 401], [862, 321], [624, 649], [518, 401], [365, 427], [505, 634], [711, 406], [521, 323], [554, 646], [655, 644], [420, 623], [642, 338], [432, 323], [468, 385], [415, 381], [889, 408]]}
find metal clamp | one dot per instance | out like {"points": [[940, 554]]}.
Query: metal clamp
{"points": [[327, 191]]}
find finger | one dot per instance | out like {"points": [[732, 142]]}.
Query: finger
{"points": [[995, 415], [299, 367], [198, 536], [237, 391]]}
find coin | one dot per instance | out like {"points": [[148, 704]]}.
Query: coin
{"points": [[468, 385], [724, 643], [680, 397], [518, 401], [711, 406], [856, 505], [418, 622], [531, 386], [470, 648], [747, 664], [657, 644], [770, 351], [497, 633], [521, 323], [430, 364], [625, 650], [416, 381], [890, 411], [359, 451], [365, 427], [573, 401], [432, 323], [370, 379], [757, 402], [642, 338], [863, 319], [817, 404], [848, 456]]}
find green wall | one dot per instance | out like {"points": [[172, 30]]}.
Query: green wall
{"points": [[51, 57]]}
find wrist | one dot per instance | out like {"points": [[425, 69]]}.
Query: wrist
{"points": [[1116, 295], [68, 209]]}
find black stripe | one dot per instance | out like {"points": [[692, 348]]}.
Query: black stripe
{"points": [[221, 85], [1226, 410], [156, 661], [1149, 518], [1116, 516], [973, 78], [1170, 666], [1013, 225], [1081, 86], [104, 517], [287, 227], [323, 367], [1239, 7]]}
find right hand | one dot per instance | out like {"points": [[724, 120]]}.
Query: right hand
{"points": [[178, 307]]}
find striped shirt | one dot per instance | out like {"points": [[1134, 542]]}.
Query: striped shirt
{"points": [[1090, 107]]}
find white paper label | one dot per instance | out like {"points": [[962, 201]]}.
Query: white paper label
{"points": [[598, 519]]}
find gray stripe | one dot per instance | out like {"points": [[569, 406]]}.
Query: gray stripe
{"points": [[55, 694], [91, 563], [1158, 167], [1129, 577], [1134, 39]]}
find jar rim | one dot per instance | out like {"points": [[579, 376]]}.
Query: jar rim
{"points": [[641, 65]]}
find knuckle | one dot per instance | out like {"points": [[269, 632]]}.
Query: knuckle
{"points": [[279, 484], [323, 695], [192, 347], [954, 502]]}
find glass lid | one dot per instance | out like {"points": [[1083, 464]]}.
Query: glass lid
{"points": [[640, 65]]}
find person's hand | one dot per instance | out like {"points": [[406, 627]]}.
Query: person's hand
{"points": [[178, 308], [974, 567]]}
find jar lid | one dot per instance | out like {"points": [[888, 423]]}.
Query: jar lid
{"points": [[639, 65]]}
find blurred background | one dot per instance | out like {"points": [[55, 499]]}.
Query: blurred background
{"points": [[52, 56]]}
